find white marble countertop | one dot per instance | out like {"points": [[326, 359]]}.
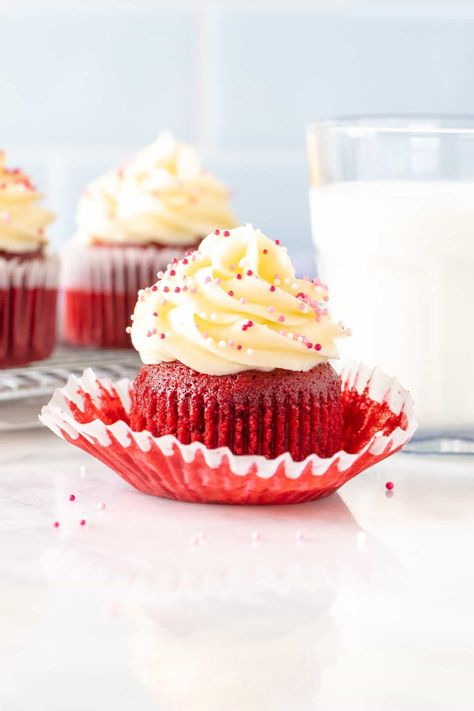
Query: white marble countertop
{"points": [[363, 600]]}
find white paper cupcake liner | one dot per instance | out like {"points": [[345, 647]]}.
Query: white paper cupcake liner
{"points": [[93, 414]]}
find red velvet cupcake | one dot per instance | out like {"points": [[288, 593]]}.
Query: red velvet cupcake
{"points": [[131, 224], [235, 352], [28, 276]]}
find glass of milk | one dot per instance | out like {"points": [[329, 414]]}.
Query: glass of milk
{"points": [[392, 210]]}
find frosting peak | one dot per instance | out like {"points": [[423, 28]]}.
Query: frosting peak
{"points": [[160, 195], [232, 305], [22, 219]]}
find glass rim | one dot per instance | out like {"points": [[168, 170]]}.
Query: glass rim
{"points": [[358, 125]]}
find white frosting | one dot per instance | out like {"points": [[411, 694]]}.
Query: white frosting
{"points": [[22, 218], [162, 195], [233, 305]]}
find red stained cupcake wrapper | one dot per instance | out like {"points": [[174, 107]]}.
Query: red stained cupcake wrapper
{"points": [[101, 285], [28, 294], [93, 415]]}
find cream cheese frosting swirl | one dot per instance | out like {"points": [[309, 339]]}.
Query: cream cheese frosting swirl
{"points": [[232, 305], [162, 195], [22, 218]]}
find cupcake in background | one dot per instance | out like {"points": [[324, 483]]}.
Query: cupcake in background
{"points": [[132, 223], [28, 275]]}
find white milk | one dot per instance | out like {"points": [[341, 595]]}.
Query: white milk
{"points": [[399, 261]]}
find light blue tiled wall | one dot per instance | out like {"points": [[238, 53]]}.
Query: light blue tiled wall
{"points": [[84, 84]]}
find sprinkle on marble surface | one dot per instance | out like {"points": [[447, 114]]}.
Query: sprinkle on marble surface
{"points": [[389, 485], [82, 471], [256, 536], [82, 522], [72, 497]]}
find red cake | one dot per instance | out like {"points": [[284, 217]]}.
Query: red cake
{"points": [[28, 276], [131, 223], [236, 352], [252, 412]]}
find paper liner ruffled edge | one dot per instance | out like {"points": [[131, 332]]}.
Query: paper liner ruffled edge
{"points": [[370, 383]]}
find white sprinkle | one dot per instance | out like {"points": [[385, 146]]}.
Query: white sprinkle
{"points": [[249, 351], [222, 344], [242, 300], [271, 309], [294, 286], [299, 536], [286, 280], [277, 281], [289, 335], [213, 317], [128, 329], [209, 340], [256, 536], [101, 506], [203, 314], [300, 339], [82, 471]]}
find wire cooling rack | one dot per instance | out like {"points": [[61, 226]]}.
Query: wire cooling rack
{"points": [[23, 391]]}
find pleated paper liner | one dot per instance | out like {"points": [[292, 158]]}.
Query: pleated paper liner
{"points": [[100, 290], [28, 291], [93, 414]]}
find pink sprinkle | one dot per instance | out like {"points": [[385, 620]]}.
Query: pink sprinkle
{"points": [[231, 293], [185, 261], [153, 331], [226, 233], [317, 346], [239, 276], [172, 272], [185, 288], [162, 335], [277, 242], [6, 217], [300, 295], [250, 324], [154, 287], [272, 288], [208, 280], [177, 289], [217, 281], [281, 318], [166, 289], [56, 524], [154, 313], [217, 232], [194, 290], [148, 334], [265, 251], [244, 327], [232, 266], [239, 347], [231, 343], [302, 307], [389, 485], [242, 300], [309, 345], [82, 522], [249, 272], [271, 309], [72, 497]]}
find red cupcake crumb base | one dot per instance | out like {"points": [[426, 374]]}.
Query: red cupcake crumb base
{"points": [[251, 412], [27, 325]]}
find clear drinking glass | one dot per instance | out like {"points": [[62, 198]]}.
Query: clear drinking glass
{"points": [[392, 210]]}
